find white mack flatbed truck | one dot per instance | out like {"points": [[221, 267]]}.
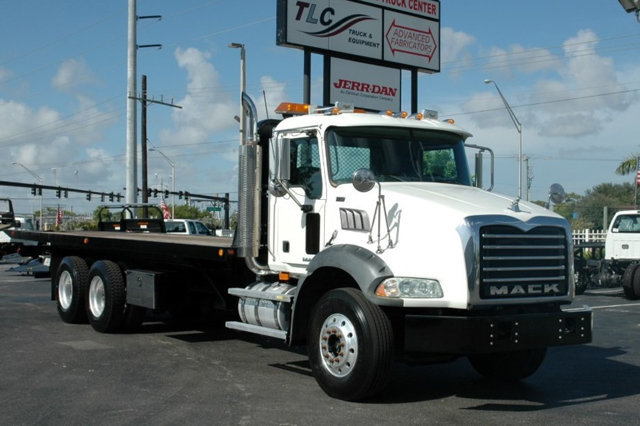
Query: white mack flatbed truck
{"points": [[361, 236]]}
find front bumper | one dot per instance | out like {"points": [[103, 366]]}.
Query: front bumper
{"points": [[465, 335]]}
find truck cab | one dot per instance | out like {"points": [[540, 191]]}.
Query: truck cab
{"points": [[366, 235], [623, 236], [400, 188]]}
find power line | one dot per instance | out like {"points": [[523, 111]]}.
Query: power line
{"points": [[553, 101], [543, 54]]}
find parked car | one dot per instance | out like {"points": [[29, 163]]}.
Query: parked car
{"points": [[8, 244], [186, 227]]}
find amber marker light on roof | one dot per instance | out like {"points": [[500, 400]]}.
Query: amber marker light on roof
{"points": [[292, 108]]}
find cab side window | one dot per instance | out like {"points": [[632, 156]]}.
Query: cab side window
{"points": [[305, 166], [202, 229]]}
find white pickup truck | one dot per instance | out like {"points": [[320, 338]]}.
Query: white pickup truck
{"points": [[187, 227]]}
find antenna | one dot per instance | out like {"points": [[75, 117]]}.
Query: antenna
{"points": [[266, 108]]}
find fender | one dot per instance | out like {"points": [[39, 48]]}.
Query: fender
{"points": [[365, 267]]}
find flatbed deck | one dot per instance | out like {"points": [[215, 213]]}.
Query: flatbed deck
{"points": [[150, 245]]}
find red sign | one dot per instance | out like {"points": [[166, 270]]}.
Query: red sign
{"points": [[638, 177]]}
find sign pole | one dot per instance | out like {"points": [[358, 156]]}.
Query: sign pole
{"points": [[306, 95], [637, 181]]}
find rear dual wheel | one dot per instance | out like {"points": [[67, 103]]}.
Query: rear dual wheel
{"points": [[631, 281], [107, 310], [70, 286]]}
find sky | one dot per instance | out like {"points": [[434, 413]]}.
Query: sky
{"points": [[569, 69]]}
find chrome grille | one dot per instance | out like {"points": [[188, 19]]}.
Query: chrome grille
{"points": [[516, 264]]}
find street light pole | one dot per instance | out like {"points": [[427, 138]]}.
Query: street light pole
{"points": [[39, 180], [173, 180], [518, 128]]}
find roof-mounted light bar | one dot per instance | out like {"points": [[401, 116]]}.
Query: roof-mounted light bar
{"points": [[288, 109]]}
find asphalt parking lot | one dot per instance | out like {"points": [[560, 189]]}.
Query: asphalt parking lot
{"points": [[57, 373]]}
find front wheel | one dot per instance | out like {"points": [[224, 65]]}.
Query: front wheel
{"points": [[508, 366], [350, 344]]}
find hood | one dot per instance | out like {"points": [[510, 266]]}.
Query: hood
{"points": [[456, 202]]}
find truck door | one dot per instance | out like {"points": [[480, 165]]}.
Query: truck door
{"points": [[296, 217]]}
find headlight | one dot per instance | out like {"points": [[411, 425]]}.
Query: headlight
{"points": [[399, 287]]}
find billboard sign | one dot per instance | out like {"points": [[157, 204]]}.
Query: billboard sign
{"points": [[395, 33], [410, 41], [365, 86], [424, 8]]}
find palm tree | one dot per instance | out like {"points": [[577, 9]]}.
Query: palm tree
{"points": [[629, 165]]}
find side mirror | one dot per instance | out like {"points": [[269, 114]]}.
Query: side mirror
{"points": [[479, 165], [279, 169], [363, 180], [556, 193], [284, 160]]}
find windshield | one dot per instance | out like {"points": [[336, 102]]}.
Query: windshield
{"points": [[397, 155]]}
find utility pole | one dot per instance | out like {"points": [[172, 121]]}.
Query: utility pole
{"points": [[143, 145], [132, 49], [132, 160], [143, 133]]}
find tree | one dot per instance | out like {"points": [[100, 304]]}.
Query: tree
{"points": [[587, 212], [629, 165], [189, 212]]}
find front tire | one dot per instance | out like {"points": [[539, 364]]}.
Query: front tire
{"points": [[70, 286], [106, 297], [508, 366], [350, 345]]}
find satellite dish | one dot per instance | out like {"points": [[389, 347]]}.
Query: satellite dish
{"points": [[556, 193], [363, 180]]}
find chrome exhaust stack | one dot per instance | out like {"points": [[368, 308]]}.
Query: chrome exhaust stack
{"points": [[249, 184]]}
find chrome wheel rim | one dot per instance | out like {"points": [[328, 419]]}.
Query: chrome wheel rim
{"points": [[96, 297], [338, 345], [65, 290]]}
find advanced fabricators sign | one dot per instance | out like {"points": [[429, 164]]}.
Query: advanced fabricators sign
{"points": [[397, 33]]}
